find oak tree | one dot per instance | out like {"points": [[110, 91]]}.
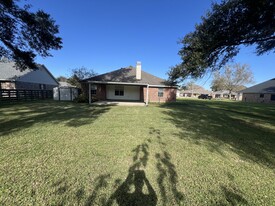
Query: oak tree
{"points": [[218, 37], [25, 34]]}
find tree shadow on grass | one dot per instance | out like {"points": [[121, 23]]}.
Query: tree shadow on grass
{"points": [[214, 124], [167, 175], [100, 183], [63, 189], [136, 189], [233, 196], [22, 116]]}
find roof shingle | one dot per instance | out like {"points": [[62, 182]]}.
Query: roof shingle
{"points": [[264, 87], [128, 75]]}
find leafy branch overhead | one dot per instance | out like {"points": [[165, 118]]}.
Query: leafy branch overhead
{"points": [[217, 39], [25, 34]]}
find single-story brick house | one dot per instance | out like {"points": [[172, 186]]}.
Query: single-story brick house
{"points": [[262, 93], [129, 84], [193, 93], [224, 94], [12, 78]]}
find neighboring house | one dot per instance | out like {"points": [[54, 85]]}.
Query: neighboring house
{"points": [[12, 78], [224, 94], [193, 93], [129, 84], [263, 92]]}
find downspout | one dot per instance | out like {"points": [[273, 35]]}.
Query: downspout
{"points": [[147, 94], [90, 99]]}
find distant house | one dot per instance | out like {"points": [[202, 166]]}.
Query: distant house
{"points": [[12, 78], [193, 93], [224, 94], [129, 84], [263, 92]]}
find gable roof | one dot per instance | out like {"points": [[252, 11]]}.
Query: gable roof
{"points": [[9, 72], [127, 75], [264, 87]]}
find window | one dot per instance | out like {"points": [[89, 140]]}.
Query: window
{"points": [[272, 98], [42, 86], [93, 89], [261, 95], [160, 92], [119, 91]]}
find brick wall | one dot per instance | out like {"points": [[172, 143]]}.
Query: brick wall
{"points": [[169, 94], [256, 98], [100, 91]]}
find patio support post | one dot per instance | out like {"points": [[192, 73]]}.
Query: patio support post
{"points": [[90, 99], [147, 94]]}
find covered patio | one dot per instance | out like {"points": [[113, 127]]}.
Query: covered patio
{"points": [[118, 93]]}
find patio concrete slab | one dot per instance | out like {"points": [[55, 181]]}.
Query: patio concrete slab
{"points": [[118, 103]]}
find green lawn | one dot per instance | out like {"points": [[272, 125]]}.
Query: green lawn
{"points": [[192, 152]]}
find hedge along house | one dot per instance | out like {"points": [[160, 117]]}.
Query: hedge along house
{"points": [[130, 84], [262, 93]]}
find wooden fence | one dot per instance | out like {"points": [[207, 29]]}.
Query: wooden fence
{"points": [[17, 94]]}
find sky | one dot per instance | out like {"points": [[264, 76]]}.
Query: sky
{"points": [[106, 35]]}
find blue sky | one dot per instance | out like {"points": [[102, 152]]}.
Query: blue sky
{"points": [[105, 35]]}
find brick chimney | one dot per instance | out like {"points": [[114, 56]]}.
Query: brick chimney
{"points": [[138, 71]]}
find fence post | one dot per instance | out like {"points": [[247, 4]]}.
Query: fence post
{"points": [[9, 95]]}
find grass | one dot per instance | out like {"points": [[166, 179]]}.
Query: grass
{"points": [[192, 153]]}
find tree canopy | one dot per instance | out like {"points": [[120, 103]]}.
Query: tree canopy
{"points": [[25, 34], [79, 74], [61, 78], [233, 78], [218, 37]]}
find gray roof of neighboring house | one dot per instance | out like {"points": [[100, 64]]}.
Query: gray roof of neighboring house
{"points": [[128, 75], [9, 72], [264, 87]]}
